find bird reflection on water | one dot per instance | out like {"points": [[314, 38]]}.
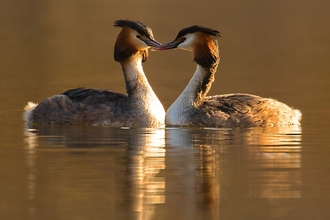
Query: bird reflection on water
{"points": [[138, 155], [205, 169], [235, 165]]}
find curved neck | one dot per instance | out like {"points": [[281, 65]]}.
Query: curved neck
{"points": [[135, 79], [144, 103], [206, 55], [199, 85]]}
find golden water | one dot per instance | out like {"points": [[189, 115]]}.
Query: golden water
{"points": [[274, 49]]}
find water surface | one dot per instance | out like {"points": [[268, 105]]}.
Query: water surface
{"points": [[277, 49]]}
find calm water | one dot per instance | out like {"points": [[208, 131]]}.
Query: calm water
{"points": [[278, 49]]}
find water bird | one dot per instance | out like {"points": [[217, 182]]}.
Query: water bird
{"points": [[194, 108], [140, 107]]}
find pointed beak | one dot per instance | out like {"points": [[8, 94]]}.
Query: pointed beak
{"points": [[168, 46], [152, 43]]}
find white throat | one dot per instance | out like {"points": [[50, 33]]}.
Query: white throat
{"points": [[140, 91], [176, 114]]}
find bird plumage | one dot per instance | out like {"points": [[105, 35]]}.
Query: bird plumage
{"points": [[140, 107], [194, 108]]}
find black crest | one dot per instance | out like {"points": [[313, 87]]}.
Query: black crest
{"points": [[197, 28], [135, 25], [125, 50]]}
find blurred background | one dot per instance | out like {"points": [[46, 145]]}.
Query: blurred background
{"points": [[278, 49]]}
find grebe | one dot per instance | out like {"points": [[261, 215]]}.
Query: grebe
{"points": [[194, 108], [139, 108]]}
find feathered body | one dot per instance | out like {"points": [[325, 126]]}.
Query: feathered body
{"points": [[140, 107], [194, 108]]}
